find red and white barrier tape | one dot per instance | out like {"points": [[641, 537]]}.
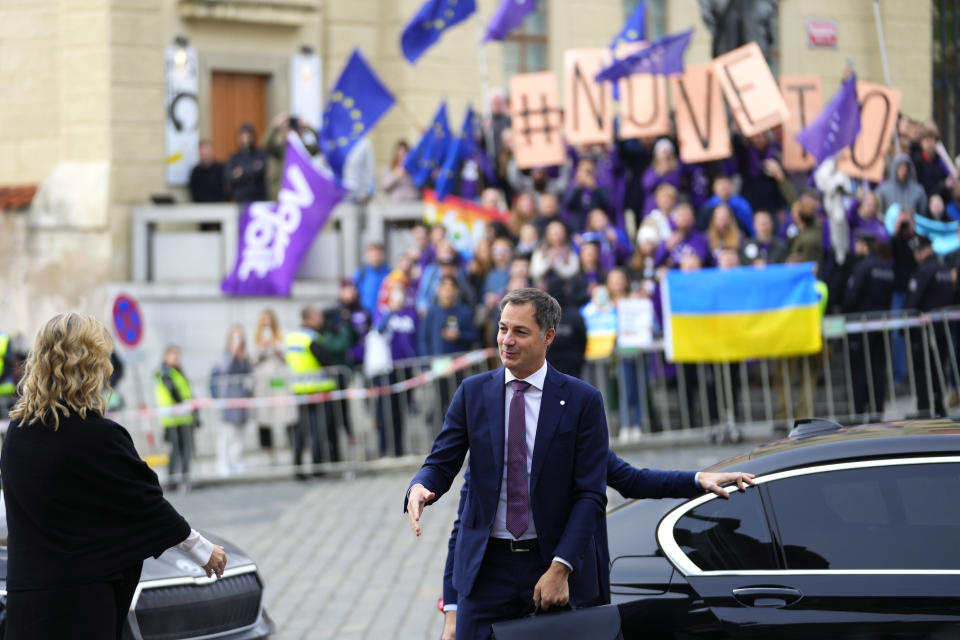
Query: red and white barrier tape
{"points": [[456, 364]]}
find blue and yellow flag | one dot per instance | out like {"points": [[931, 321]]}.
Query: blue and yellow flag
{"points": [[430, 150], [358, 100], [728, 315], [429, 23]]}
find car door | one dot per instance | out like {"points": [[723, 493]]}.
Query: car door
{"points": [[864, 549]]}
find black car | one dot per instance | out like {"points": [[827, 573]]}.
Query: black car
{"points": [[175, 600], [850, 532]]}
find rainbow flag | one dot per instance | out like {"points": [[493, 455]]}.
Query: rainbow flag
{"points": [[465, 220], [736, 314]]}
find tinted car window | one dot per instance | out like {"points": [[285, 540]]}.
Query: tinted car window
{"points": [[895, 517], [727, 534]]}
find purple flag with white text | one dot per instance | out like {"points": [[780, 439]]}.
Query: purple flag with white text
{"points": [[275, 236], [837, 125], [508, 16]]}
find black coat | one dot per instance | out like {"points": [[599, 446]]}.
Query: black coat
{"points": [[81, 504]]}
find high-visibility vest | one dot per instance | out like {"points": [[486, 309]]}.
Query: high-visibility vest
{"points": [[307, 371], [165, 398], [824, 292], [6, 377]]}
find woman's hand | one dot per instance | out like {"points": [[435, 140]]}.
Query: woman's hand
{"points": [[217, 562]]}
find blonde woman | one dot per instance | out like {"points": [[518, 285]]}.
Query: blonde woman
{"points": [[83, 510], [270, 376]]}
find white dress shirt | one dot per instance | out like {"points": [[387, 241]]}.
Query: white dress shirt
{"points": [[531, 405], [197, 548]]}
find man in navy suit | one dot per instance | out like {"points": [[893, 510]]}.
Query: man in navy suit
{"points": [[538, 447], [630, 482]]}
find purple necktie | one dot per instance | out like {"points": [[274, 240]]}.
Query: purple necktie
{"points": [[518, 502]]}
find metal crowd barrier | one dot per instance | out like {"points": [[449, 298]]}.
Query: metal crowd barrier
{"points": [[389, 415], [872, 367]]}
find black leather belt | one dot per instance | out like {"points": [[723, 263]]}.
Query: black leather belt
{"points": [[515, 546]]}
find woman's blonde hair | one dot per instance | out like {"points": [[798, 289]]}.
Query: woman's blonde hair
{"points": [[67, 370]]}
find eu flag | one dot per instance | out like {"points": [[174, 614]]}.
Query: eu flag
{"points": [[837, 125], [664, 56], [356, 103], [425, 28], [458, 152], [430, 150], [508, 16], [635, 28]]}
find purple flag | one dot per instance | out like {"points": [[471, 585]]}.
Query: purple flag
{"points": [[274, 236], [665, 56], [508, 16], [837, 125]]}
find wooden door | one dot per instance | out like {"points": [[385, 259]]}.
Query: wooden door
{"points": [[236, 98]]}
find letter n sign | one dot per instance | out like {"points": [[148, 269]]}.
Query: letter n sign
{"points": [[588, 112]]}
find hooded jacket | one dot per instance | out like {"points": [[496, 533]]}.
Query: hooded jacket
{"points": [[907, 193]]}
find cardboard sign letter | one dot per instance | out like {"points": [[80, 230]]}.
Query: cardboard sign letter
{"points": [[588, 117], [701, 119], [804, 97], [537, 127], [879, 106], [643, 101], [750, 89]]}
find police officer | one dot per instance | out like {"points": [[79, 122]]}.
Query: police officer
{"points": [[305, 356], [7, 387], [930, 288], [869, 289], [172, 388]]}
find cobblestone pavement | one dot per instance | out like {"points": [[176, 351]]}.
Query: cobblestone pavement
{"points": [[337, 556]]}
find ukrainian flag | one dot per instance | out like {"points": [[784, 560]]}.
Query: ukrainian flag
{"points": [[736, 314]]}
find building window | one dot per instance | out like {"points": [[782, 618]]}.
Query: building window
{"points": [[525, 49], [656, 16]]}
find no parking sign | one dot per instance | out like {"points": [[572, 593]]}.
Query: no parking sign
{"points": [[127, 320]]}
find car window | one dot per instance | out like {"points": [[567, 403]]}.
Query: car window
{"points": [[727, 534], [888, 517]]}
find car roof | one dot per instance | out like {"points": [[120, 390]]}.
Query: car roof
{"points": [[903, 438]]}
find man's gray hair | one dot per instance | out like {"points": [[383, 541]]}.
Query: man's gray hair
{"points": [[546, 308]]}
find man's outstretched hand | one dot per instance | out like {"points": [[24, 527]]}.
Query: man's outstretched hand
{"points": [[418, 497], [712, 481]]}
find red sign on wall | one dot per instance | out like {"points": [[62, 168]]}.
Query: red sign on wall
{"points": [[821, 33]]}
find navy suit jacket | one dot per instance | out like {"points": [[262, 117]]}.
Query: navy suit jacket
{"points": [[622, 476], [567, 476]]}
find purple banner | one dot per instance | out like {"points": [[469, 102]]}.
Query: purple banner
{"points": [[275, 236]]}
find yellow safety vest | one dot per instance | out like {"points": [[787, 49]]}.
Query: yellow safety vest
{"points": [[165, 398], [824, 292], [6, 386], [306, 370]]}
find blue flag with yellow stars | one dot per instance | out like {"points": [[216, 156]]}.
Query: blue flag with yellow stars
{"points": [[356, 103], [430, 150], [635, 28], [425, 28], [457, 153]]}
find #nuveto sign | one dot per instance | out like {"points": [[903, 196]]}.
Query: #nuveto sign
{"points": [[879, 106], [804, 98], [536, 122]]}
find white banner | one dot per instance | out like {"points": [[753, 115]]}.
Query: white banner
{"points": [[183, 114], [306, 88]]}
